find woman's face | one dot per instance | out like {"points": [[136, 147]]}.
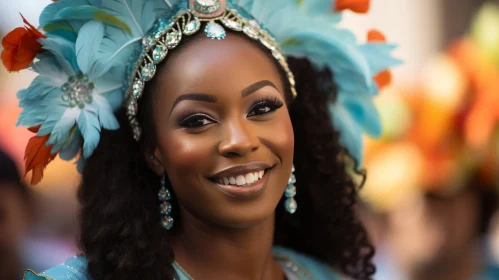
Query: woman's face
{"points": [[224, 135]]}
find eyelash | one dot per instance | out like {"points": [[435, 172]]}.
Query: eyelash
{"points": [[273, 103]]}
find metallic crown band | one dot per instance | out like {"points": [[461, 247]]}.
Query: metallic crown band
{"points": [[155, 48]]}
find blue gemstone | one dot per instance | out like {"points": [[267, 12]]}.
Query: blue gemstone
{"points": [[214, 30], [290, 205], [167, 222], [292, 179], [290, 191], [164, 194], [165, 208]]}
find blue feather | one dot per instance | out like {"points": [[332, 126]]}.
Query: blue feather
{"points": [[105, 112], [80, 164], [88, 123], [50, 122], [379, 56], [72, 146], [60, 132], [87, 13], [363, 112], [63, 51], [50, 12], [89, 39], [350, 134]]}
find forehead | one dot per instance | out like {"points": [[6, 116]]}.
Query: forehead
{"points": [[211, 66]]}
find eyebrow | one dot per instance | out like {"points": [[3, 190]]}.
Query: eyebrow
{"points": [[194, 96], [256, 86]]}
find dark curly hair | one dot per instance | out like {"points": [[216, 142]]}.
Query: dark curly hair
{"points": [[120, 232]]}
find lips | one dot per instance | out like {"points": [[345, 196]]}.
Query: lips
{"points": [[243, 180]]}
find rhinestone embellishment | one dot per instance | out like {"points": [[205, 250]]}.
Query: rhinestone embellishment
{"points": [[192, 27], [138, 88], [232, 24], [214, 30], [148, 71], [207, 6], [159, 53], [173, 39], [78, 91]]}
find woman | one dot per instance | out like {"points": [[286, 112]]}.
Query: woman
{"points": [[217, 119]]}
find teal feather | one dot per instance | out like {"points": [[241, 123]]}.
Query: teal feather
{"points": [[87, 13], [89, 39], [350, 133], [50, 11], [72, 146], [67, 29], [63, 51], [50, 122], [88, 123], [39, 88], [107, 119], [60, 133], [80, 164], [379, 56], [363, 111]]}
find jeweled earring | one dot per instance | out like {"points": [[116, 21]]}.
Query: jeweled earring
{"points": [[165, 207], [290, 192]]}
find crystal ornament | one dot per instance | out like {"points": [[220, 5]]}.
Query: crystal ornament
{"points": [[192, 27], [159, 53], [165, 207], [148, 71], [214, 30], [290, 192], [173, 39], [78, 91], [138, 88], [232, 24], [207, 6]]}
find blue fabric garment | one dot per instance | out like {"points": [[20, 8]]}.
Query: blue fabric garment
{"points": [[76, 268]]}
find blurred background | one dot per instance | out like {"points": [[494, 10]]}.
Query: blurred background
{"points": [[430, 199]]}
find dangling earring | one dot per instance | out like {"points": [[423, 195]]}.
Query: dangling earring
{"points": [[165, 206], [290, 192]]}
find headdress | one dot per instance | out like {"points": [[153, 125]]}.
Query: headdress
{"points": [[96, 56]]}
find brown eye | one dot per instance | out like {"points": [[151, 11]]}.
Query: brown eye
{"points": [[196, 121], [265, 107]]}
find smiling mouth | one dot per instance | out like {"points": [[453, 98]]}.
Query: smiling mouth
{"points": [[246, 179]]}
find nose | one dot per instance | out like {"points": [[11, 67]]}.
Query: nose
{"points": [[240, 139]]}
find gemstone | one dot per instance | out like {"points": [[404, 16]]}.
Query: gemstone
{"points": [[167, 222], [85, 78], [251, 32], [91, 85], [132, 108], [88, 99], [290, 191], [79, 75], [81, 105], [207, 6], [65, 97], [291, 205], [138, 88], [164, 194], [214, 30], [148, 71], [267, 44], [65, 87], [292, 179], [165, 208], [147, 42], [172, 39], [232, 24], [159, 53], [72, 79], [192, 27], [136, 133]]}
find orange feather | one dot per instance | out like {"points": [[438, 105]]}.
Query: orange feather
{"points": [[37, 156], [357, 6]]}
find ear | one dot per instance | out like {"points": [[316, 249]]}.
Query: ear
{"points": [[155, 161]]}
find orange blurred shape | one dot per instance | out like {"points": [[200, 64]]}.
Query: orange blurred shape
{"points": [[383, 78], [358, 6], [21, 47]]}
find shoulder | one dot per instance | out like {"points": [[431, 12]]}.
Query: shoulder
{"points": [[72, 269], [316, 268]]}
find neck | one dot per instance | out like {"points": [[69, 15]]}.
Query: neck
{"points": [[207, 251], [462, 267]]}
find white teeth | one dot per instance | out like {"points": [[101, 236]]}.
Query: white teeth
{"points": [[250, 178], [240, 180], [232, 180]]}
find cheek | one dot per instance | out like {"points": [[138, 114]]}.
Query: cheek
{"points": [[279, 136], [187, 152]]}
